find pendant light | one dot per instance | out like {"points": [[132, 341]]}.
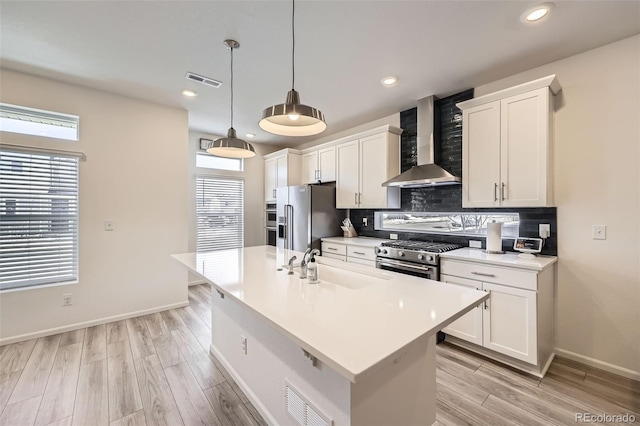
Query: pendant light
{"points": [[231, 146], [292, 118]]}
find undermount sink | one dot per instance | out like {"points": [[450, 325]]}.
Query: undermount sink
{"points": [[349, 279]]}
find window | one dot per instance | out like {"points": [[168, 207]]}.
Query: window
{"points": [[38, 218], [220, 213], [29, 121], [209, 161], [470, 224]]}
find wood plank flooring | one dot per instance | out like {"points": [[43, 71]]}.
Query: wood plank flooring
{"points": [[157, 369]]}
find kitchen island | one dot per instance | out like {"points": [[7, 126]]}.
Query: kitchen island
{"points": [[356, 349]]}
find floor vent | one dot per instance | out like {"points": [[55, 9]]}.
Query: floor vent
{"points": [[302, 411], [203, 80]]}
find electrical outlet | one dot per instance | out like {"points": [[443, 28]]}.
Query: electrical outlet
{"points": [[544, 230], [243, 341], [393, 236], [365, 221], [109, 225], [67, 299], [475, 244], [599, 232]]}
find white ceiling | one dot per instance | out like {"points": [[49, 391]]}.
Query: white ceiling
{"points": [[343, 48]]}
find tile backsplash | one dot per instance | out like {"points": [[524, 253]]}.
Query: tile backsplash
{"points": [[449, 198]]}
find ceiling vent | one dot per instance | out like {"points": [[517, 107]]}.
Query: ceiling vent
{"points": [[203, 80]]}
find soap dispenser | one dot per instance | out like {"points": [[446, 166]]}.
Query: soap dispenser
{"points": [[312, 271]]}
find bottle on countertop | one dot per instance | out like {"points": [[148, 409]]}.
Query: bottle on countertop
{"points": [[312, 271]]}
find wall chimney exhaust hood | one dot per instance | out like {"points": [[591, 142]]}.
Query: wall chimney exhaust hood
{"points": [[427, 172]]}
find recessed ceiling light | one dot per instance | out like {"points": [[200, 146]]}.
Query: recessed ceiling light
{"points": [[251, 135], [389, 81], [189, 93], [536, 13]]}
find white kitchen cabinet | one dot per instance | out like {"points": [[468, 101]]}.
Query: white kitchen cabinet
{"points": [[515, 325], [319, 165], [352, 250], [363, 164], [507, 144], [281, 168]]}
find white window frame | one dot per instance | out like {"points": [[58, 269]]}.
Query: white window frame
{"points": [[218, 215], [38, 122], [33, 253]]}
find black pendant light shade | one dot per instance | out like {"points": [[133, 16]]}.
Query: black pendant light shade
{"points": [[292, 118], [231, 146]]}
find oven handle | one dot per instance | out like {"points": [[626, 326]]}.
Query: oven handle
{"points": [[403, 265]]}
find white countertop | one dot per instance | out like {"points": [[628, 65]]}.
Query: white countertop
{"points": [[356, 241], [352, 330], [540, 263]]}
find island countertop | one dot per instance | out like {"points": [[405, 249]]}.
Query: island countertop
{"points": [[356, 320]]}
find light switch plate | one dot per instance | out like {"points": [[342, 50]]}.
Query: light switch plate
{"points": [[475, 244], [544, 230], [599, 232], [109, 225], [393, 236], [365, 221]]}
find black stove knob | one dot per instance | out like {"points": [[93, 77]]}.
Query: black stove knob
{"points": [[401, 253]]}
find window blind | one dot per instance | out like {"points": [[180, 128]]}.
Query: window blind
{"points": [[220, 213], [38, 218]]}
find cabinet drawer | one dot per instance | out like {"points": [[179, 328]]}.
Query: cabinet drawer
{"points": [[367, 253], [335, 256], [359, 261], [334, 248], [510, 277]]}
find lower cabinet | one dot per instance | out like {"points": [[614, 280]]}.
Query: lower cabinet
{"points": [[516, 320], [349, 253]]}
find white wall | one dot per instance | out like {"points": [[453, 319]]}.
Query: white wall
{"points": [[135, 174], [392, 120], [597, 158], [253, 174]]}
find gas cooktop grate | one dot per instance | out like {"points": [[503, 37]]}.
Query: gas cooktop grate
{"points": [[427, 246]]}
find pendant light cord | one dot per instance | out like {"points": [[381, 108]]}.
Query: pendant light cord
{"points": [[293, 47], [231, 87]]}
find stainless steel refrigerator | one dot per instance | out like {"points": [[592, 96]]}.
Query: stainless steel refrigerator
{"points": [[307, 213]]}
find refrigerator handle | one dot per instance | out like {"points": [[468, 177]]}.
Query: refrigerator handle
{"points": [[289, 221]]}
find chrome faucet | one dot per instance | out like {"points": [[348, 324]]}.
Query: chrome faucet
{"points": [[291, 265], [303, 264]]}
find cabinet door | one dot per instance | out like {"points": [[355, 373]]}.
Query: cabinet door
{"points": [[347, 174], [270, 178], [310, 167], [509, 322], [481, 156], [282, 177], [327, 164], [373, 171], [469, 326], [524, 149]]}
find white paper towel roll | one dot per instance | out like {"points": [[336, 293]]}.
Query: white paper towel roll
{"points": [[494, 237]]}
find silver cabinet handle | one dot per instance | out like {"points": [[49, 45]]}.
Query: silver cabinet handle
{"points": [[483, 274], [220, 293], [495, 191], [355, 198], [332, 248], [319, 173], [485, 302], [502, 192], [359, 197], [359, 252], [315, 174]]}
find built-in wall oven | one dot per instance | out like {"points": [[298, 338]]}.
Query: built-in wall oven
{"points": [[271, 223]]}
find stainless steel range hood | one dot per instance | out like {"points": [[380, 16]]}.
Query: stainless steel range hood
{"points": [[426, 173]]}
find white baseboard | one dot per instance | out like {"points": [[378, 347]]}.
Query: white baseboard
{"points": [[79, 325], [244, 387], [197, 282], [592, 362]]}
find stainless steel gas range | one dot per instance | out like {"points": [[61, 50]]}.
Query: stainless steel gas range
{"points": [[419, 258]]}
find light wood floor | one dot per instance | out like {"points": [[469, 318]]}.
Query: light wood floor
{"points": [[157, 369]]}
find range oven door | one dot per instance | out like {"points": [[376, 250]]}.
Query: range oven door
{"points": [[409, 268]]}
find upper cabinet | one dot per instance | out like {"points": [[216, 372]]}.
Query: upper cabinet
{"points": [[363, 163], [281, 168], [319, 165], [507, 146]]}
